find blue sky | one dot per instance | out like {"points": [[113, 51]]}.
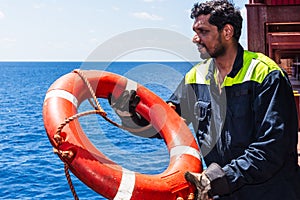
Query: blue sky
{"points": [[71, 30]]}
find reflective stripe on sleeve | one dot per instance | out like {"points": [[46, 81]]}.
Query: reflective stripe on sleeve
{"points": [[250, 70]]}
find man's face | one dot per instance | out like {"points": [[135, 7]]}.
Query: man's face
{"points": [[207, 36], [202, 50]]}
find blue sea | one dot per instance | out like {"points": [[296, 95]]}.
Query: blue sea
{"points": [[28, 167]]}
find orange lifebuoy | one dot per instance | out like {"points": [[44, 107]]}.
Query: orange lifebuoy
{"points": [[95, 169]]}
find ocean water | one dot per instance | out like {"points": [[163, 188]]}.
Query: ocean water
{"points": [[28, 167]]}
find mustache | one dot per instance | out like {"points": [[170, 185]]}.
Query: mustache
{"points": [[200, 46]]}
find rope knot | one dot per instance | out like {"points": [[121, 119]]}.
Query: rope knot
{"points": [[65, 154], [58, 139]]}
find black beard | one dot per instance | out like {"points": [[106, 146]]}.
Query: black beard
{"points": [[218, 51]]}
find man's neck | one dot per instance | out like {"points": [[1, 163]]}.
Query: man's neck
{"points": [[224, 63]]}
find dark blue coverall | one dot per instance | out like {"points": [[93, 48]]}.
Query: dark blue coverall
{"points": [[249, 129]]}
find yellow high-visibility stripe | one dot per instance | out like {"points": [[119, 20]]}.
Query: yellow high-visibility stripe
{"points": [[256, 67]]}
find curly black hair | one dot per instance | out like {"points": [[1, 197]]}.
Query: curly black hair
{"points": [[222, 12]]}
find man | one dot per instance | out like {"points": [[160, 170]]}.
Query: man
{"points": [[242, 108]]}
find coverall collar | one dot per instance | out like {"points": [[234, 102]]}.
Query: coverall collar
{"points": [[237, 65], [238, 62]]}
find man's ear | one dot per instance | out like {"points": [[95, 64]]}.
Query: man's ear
{"points": [[228, 31]]}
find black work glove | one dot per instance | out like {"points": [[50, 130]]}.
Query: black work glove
{"points": [[211, 183], [125, 107], [202, 184]]}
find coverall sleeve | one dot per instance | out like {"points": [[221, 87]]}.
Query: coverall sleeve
{"points": [[276, 133], [183, 98]]}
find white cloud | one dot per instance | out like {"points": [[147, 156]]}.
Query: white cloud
{"points": [[115, 8], [243, 12], [8, 40], [92, 31], [147, 16], [39, 5], [2, 15], [174, 26], [244, 37], [94, 41], [58, 45]]}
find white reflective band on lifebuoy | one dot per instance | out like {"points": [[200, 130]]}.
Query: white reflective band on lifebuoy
{"points": [[126, 186], [180, 150], [131, 85], [62, 94]]}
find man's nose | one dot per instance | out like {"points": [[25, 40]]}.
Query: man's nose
{"points": [[196, 39]]}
